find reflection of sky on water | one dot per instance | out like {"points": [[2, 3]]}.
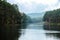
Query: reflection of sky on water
{"points": [[32, 34], [38, 34]]}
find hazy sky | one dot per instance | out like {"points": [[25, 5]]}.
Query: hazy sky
{"points": [[36, 6]]}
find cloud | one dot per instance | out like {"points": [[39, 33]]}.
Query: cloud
{"points": [[36, 6], [48, 2]]}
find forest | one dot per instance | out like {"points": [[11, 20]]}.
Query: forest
{"points": [[11, 21], [52, 20]]}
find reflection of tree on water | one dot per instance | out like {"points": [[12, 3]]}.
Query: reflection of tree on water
{"points": [[57, 35], [52, 22]]}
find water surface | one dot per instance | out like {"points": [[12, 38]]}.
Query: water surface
{"points": [[35, 31]]}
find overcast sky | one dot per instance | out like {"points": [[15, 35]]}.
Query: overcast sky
{"points": [[36, 6]]}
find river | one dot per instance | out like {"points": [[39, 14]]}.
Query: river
{"points": [[35, 31]]}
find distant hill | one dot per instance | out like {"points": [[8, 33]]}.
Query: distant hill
{"points": [[36, 20], [36, 15]]}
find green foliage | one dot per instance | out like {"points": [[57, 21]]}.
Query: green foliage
{"points": [[10, 21], [16, 7], [24, 20], [3, 0], [53, 17]]}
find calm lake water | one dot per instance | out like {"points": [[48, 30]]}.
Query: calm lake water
{"points": [[35, 31]]}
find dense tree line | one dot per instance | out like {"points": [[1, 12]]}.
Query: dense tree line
{"points": [[10, 21], [25, 20], [52, 19], [55, 14]]}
